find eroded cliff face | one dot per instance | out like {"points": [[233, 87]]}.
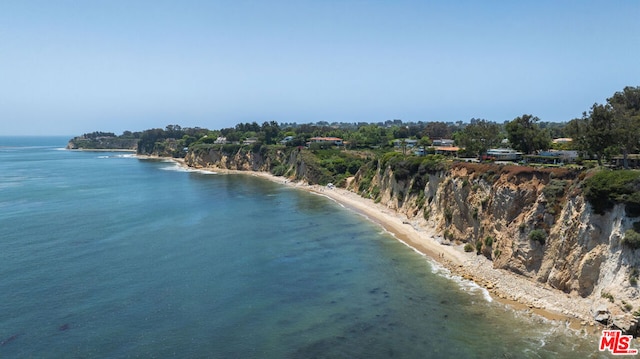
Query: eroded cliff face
{"points": [[240, 160], [535, 223], [289, 162]]}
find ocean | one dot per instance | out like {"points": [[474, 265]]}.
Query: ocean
{"points": [[104, 255]]}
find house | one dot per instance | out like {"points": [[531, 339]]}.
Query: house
{"points": [[331, 140], [633, 160], [502, 154], [408, 143], [250, 141], [447, 150], [286, 140], [443, 142], [562, 140], [553, 157]]}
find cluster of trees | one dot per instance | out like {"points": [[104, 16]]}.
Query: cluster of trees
{"points": [[356, 134], [475, 137], [611, 128], [526, 136], [98, 134], [604, 131], [169, 141]]}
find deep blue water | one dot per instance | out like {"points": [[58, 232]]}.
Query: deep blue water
{"points": [[103, 255]]}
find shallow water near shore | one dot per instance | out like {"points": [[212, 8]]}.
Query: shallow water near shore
{"points": [[103, 255]]}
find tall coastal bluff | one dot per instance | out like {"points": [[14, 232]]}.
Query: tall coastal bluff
{"points": [[533, 222]]}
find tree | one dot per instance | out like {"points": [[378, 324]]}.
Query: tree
{"points": [[626, 112], [271, 131], [354, 139], [479, 136], [374, 135], [600, 132], [437, 130], [593, 134], [576, 129], [526, 136], [401, 132]]}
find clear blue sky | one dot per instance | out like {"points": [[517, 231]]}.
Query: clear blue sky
{"points": [[70, 67]]}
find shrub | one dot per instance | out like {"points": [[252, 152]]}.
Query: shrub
{"points": [[432, 164], [488, 241], [389, 157], [279, 170], [468, 247], [607, 295], [475, 213], [405, 168], [364, 185], [490, 176], [553, 191], [484, 202], [633, 277], [418, 185], [420, 200], [478, 247], [538, 235], [426, 214], [497, 252], [448, 214], [375, 192], [606, 188], [631, 239], [522, 227]]}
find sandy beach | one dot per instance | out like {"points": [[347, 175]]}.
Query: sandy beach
{"points": [[504, 287]]}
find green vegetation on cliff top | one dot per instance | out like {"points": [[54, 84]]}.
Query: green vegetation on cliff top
{"points": [[606, 131]]}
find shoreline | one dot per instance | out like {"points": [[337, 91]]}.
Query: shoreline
{"points": [[507, 288], [100, 150]]}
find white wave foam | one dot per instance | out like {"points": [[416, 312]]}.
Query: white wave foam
{"points": [[203, 172], [464, 284], [129, 155], [473, 287], [332, 199], [177, 168]]}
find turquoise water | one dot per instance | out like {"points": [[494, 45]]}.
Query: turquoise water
{"points": [[103, 255]]}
